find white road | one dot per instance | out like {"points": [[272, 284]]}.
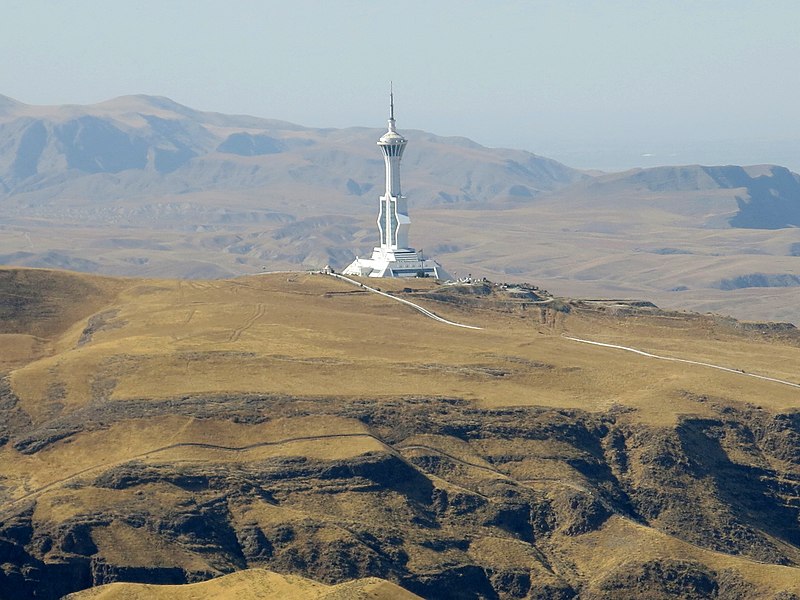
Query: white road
{"points": [[424, 311], [682, 360]]}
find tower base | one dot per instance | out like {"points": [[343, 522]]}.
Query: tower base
{"points": [[396, 263]]}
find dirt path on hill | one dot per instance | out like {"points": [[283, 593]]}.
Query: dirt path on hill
{"points": [[424, 311], [681, 360]]}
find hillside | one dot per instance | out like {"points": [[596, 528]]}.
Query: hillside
{"points": [[251, 584], [143, 186], [173, 432]]}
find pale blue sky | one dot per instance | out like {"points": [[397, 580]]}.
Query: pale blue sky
{"points": [[592, 83]]}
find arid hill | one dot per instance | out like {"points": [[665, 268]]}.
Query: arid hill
{"points": [[294, 426], [251, 584]]}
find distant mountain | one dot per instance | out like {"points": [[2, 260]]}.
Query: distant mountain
{"points": [[137, 146], [772, 200], [754, 197], [148, 146]]}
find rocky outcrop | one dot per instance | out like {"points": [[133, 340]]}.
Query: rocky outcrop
{"points": [[683, 481]]}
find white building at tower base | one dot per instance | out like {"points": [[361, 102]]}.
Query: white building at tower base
{"points": [[394, 257], [403, 263]]}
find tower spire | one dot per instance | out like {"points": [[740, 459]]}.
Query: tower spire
{"points": [[391, 107]]}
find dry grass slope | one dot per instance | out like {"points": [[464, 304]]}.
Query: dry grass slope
{"points": [[171, 432], [252, 584]]}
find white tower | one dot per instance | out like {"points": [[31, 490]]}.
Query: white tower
{"points": [[394, 257], [393, 219]]}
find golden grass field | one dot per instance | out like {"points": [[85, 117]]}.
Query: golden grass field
{"points": [[308, 334]]}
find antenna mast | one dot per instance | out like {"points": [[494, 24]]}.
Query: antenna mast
{"points": [[391, 107]]}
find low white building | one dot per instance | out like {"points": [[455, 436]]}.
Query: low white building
{"points": [[394, 257]]}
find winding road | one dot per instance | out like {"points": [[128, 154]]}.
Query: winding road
{"points": [[681, 360], [417, 307]]}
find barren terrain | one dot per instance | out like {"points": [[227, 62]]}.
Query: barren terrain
{"points": [[168, 432]]}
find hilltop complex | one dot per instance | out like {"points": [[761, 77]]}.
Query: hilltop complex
{"points": [[394, 257]]}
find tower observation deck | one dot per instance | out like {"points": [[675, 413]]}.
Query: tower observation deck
{"points": [[394, 257]]}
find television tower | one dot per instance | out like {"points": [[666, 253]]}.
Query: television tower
{"points": [[394, 257], [393, 219]]}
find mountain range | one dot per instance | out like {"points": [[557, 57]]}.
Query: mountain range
{"points": [[144, 186]]}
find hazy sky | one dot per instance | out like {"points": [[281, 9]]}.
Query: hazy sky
{"points": [[592, 83]]}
